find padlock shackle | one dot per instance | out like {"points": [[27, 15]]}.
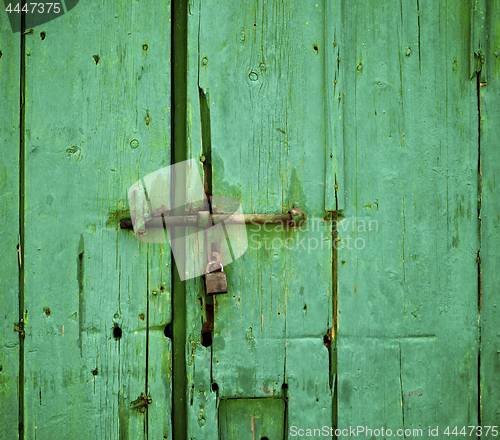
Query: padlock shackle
{"points": [[210, 263]]}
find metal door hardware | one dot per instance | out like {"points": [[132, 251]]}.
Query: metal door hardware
{"points": [[293, 218], [215, 279]]}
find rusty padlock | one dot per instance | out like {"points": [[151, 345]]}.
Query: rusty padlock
{"points": [[215, 279]]}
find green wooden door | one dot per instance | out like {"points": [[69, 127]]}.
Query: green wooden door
{"points": [[378, 120]]}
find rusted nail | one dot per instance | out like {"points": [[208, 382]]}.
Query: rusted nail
{"points": [[141, 402]]}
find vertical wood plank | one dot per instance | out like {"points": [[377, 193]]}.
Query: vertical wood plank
{"points": [[159, 366], [490, 226], [261, 74], [10, 77], [201, 397], [97, 120], [370, 48], [408, 279], [334, 104], [440, 121]]}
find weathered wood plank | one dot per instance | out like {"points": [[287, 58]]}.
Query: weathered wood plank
{"points": [[309, 392], [440, 122], [369, 396], [201, 398], [10, 77], [490, 226], [250, 57], [410, 281], [97, 119], [261, 78], [159, 366], [334, 71], [269, 53]]}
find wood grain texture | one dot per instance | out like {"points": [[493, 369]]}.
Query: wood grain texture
{"points": [[490, 221], [334, 94], [261, 82], [159, 365], [10, 77], [97, 120], [368, 108], [408, 286], [201, 398]]}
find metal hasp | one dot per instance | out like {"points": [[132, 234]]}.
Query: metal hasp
{"points": [[293, 218]]}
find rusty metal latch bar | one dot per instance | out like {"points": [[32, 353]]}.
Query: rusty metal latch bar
{"points": [[293, 218]]}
